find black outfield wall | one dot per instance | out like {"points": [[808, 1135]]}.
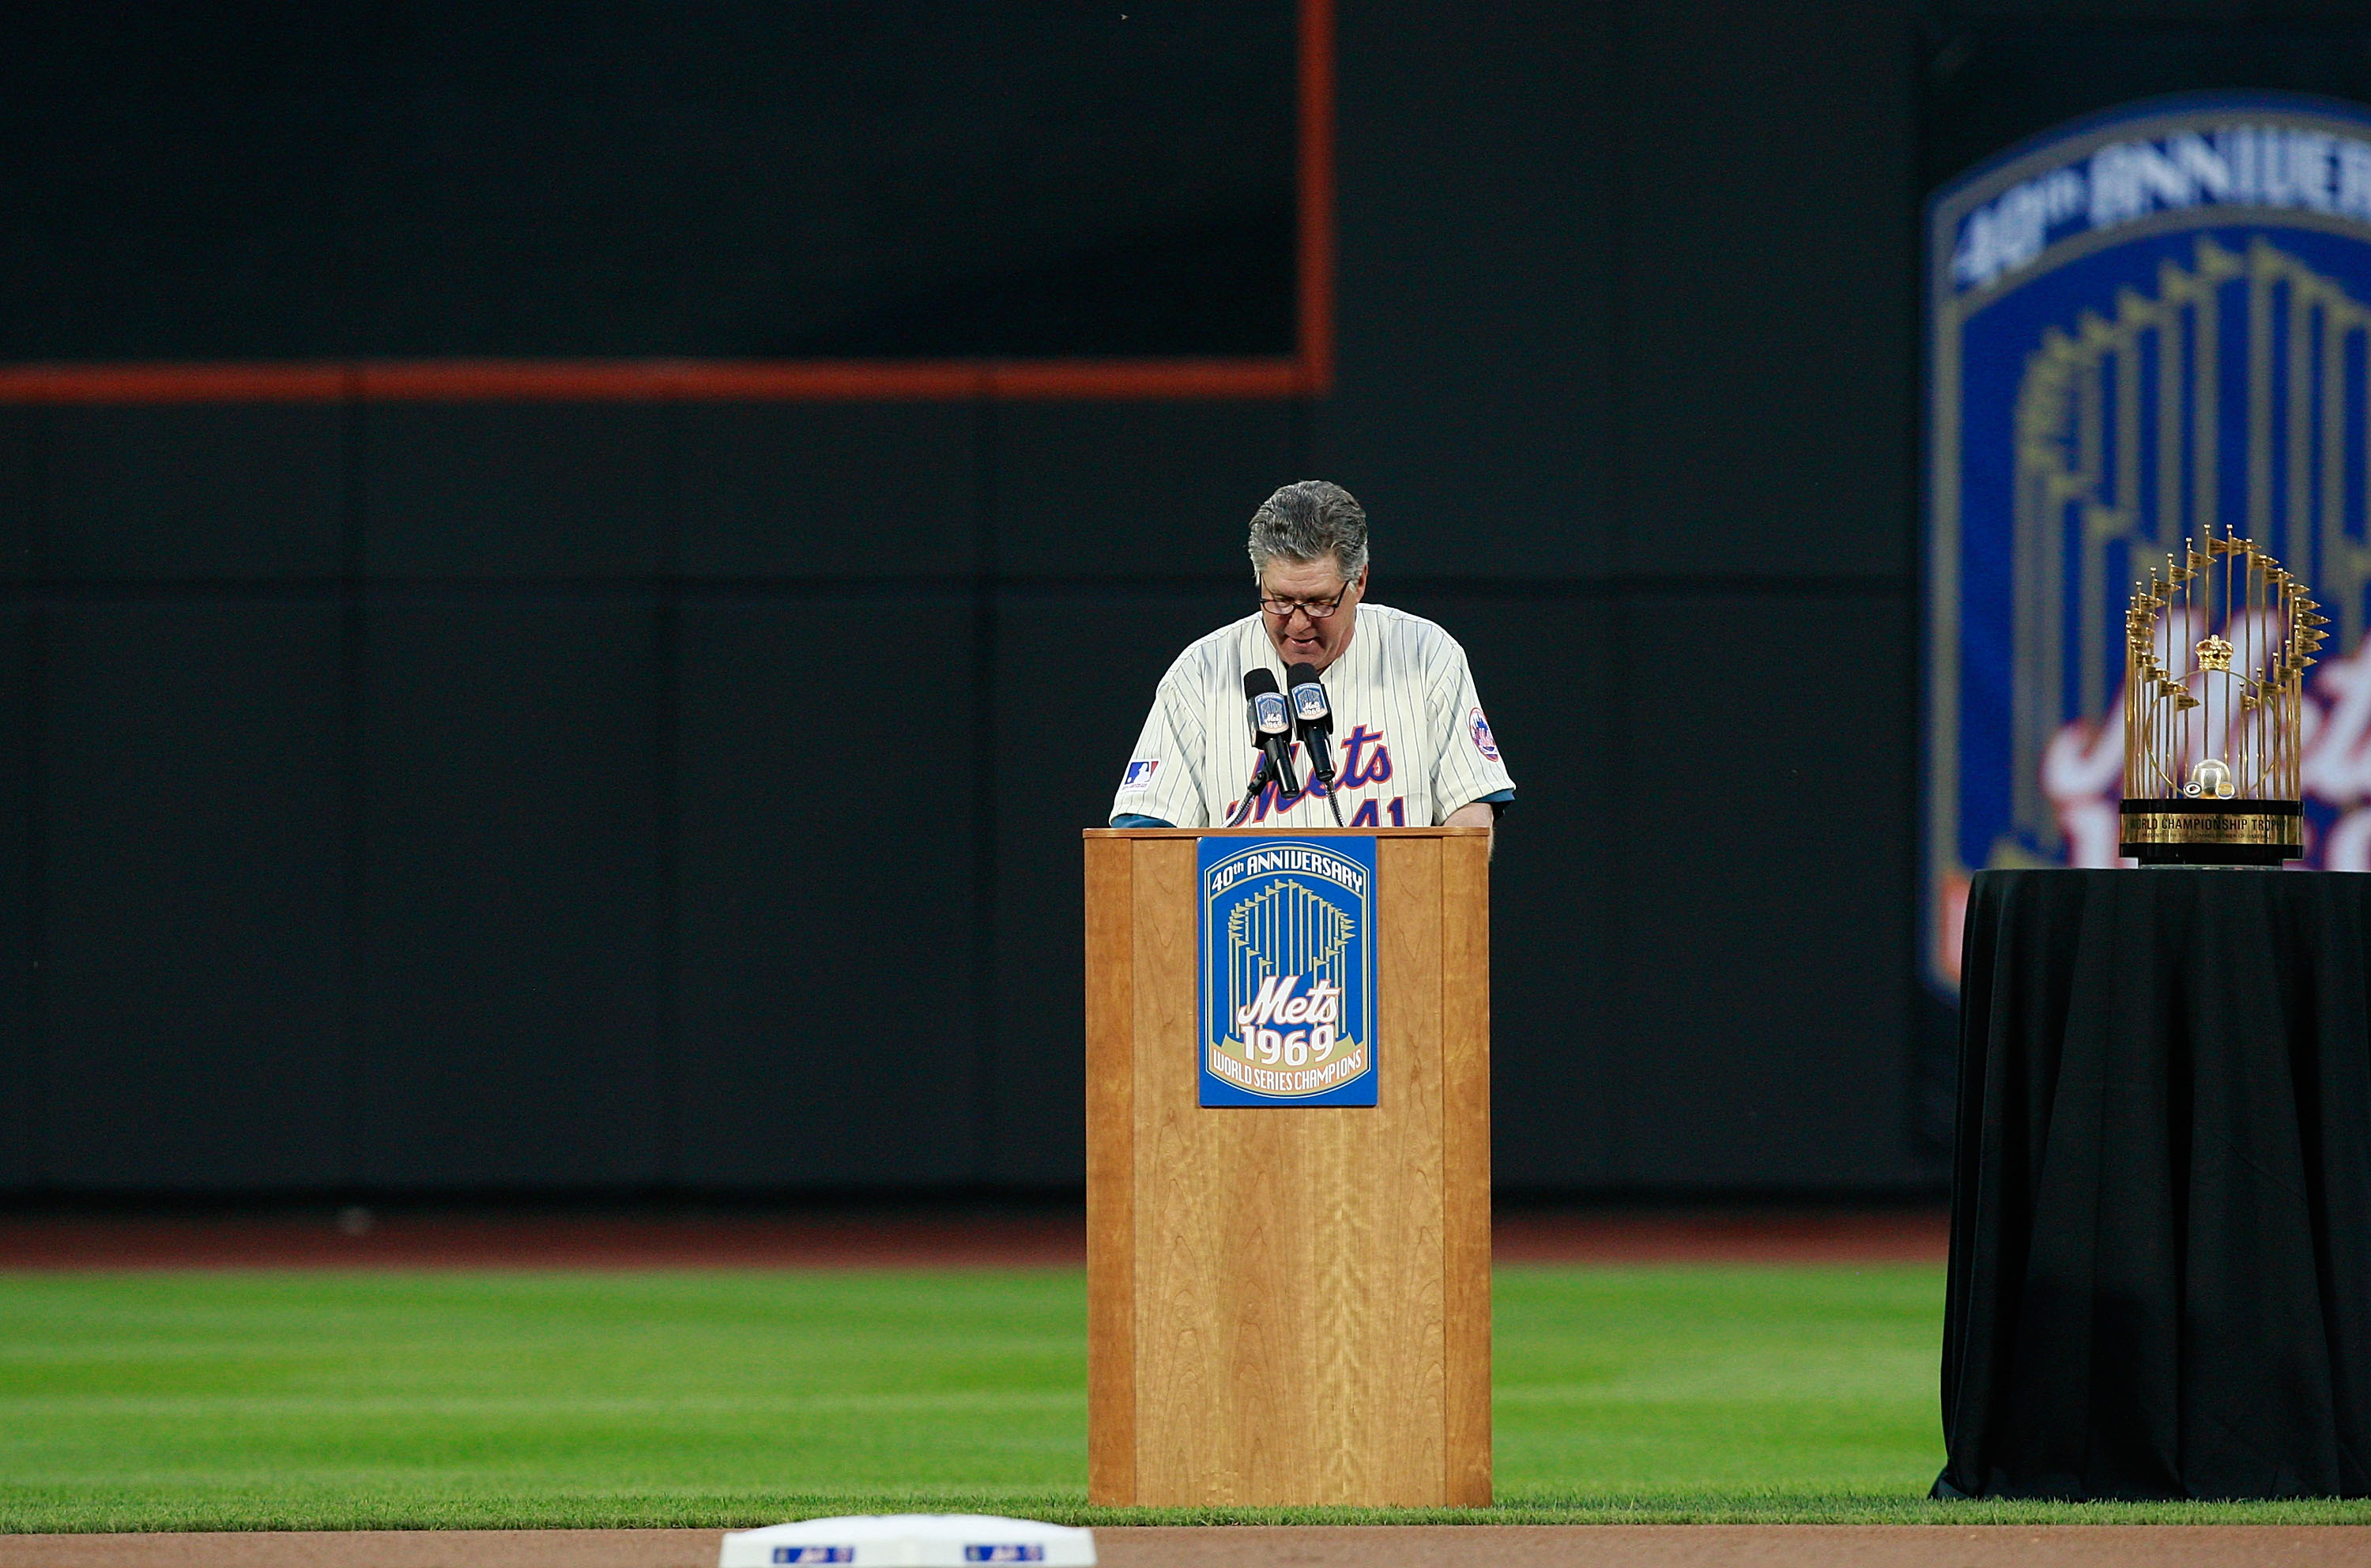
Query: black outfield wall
{"points": [[422, 799]]}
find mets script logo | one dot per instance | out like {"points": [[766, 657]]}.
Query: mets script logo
{"points": [[1287, 992]]}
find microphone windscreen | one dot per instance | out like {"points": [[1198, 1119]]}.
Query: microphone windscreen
{"points": [[1258, 681], [1309, 703]]}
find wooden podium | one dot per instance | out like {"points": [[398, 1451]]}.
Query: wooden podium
{"points": [[1289, 1305]]}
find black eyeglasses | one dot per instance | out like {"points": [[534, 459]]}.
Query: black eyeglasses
{"points": [[1315, 610]]}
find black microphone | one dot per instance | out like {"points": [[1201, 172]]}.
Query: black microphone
{"points": [[1312, 716], [1271, 719]]}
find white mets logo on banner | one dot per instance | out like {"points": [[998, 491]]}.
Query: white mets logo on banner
{"points": [[1288, 971], [2145, 327]]}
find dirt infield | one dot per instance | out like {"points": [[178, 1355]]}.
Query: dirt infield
{"points": [[1315, 1546], [357, 1239]]}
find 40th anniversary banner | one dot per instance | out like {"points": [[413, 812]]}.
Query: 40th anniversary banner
{"points": [[2147, 325]]}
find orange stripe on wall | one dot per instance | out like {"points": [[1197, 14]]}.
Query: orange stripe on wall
{"points": [[175, 383], [652, 381]]}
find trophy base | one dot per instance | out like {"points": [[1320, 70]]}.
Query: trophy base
{"points": [[2212, 833]]}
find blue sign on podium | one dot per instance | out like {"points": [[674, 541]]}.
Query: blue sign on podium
{"points": [[1288, 971]]}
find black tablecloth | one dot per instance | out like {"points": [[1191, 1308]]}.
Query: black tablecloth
{"points": [[2161, 1193]]}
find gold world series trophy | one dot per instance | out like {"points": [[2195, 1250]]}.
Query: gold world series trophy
{"points": [[2211, 754]]}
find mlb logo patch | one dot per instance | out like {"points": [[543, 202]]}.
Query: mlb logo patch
{"points": [[1138, 776], [1479, 728]]}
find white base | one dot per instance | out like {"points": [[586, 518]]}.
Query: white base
{"points": [[910, 1540]]}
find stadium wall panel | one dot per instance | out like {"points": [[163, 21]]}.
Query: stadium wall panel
{"points": [[829, 490], [221, 493], [1480, 286], [508, 991], [21, 1040], [1769, 250], [827, 896], [1761, 972], [1129, 490], [192, 894], [510, 491]]}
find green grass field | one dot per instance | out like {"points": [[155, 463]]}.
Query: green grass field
{"points": [[349, 1401]]}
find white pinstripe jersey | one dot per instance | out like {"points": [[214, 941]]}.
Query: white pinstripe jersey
{"points": [[1410, 743]]}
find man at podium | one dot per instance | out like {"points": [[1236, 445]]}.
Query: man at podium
{"points": [[1405, 738]]}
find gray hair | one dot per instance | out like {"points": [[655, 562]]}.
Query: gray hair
{"points": [[1309, 520]]}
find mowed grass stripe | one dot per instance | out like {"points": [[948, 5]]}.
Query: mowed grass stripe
{"points": [[448, 1388], [231, 1400]]}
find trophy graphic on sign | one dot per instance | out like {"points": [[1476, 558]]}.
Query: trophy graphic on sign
{"points": [[2215, 650], [1276, 940]]}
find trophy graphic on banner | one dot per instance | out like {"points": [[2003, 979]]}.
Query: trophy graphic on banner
{"points": [[2215, 650]]}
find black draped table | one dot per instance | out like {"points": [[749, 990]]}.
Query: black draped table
{"points": [[2161, 1192]]}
